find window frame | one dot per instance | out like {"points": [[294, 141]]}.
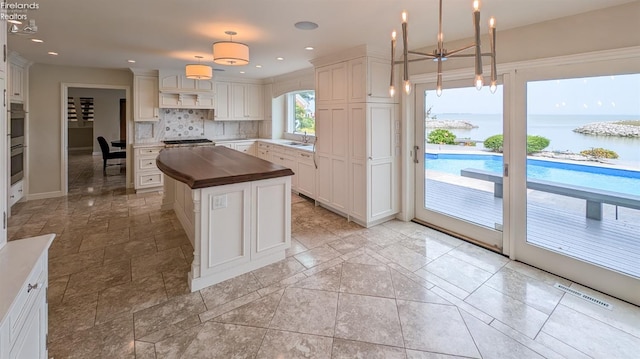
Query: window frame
{"points": [[289, 103]]}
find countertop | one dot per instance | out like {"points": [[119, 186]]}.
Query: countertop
{"points": [[200, 167], [17, 259]]}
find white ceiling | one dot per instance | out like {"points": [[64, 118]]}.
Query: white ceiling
{"points": [[167, 34]]}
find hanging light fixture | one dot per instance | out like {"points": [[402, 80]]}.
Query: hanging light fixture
{"points": [[441, 54], [198, 71], [230, 53]]}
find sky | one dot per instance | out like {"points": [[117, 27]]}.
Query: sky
{"points": [[604, 95]]}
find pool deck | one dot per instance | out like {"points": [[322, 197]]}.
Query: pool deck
{"points": [[555, 222]]}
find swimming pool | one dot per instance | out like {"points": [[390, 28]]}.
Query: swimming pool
{"points": [[610, 179]]}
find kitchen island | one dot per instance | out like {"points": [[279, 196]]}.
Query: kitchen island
{"points": [[235, 209]]}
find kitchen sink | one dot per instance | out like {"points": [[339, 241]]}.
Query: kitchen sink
{"points": [[301, 144]]}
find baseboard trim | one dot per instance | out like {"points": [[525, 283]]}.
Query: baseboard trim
{"points": [[44, 195]]}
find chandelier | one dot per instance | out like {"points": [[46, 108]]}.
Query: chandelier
{"points": [[441, 54], [229, 52], [198, 71]]}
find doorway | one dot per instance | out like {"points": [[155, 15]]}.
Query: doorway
{"points": [[90, 111], [459, 185]]}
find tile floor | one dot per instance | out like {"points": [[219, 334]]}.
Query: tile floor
{"points": [[118, 289]]}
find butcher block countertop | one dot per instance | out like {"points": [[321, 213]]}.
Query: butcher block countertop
{"points": [[208, 166]]}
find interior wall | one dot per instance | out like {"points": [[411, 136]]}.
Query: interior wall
{"points": [[106, 118], [45, 98], [610, 28]]}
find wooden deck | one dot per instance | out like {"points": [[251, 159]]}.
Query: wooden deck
{"points": [[609, 243]]}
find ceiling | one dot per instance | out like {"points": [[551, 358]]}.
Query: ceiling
{"points": [[167, 34]]}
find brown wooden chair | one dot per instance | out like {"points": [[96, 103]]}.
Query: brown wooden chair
{"points": [[108, 155]]}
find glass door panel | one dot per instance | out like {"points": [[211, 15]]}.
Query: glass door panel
{"points": [[583, 169], [460, 162]]}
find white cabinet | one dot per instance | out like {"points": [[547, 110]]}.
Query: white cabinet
{"points": [[16, 82], [247, 102], [177, 91], [369, 80], [306, 174], [239, 102], [373, 169], [331, 83], [223, 101], [331, 156], [357, 139], [145, 98], [264, 151], [249, 147], [23, 303], [147, 176], [285, 157], [16, 192]]}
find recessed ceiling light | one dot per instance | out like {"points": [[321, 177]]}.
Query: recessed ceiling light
{"points": [[306, 25], [15, 22], [131, 61], [241, 72], [37, 40], [52, 53], [309, 48], [259, 66], [279, 58]]}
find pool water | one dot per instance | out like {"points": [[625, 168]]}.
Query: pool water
{"points": [[604, 178]]}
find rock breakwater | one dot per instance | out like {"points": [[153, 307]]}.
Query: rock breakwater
{"points": [[609, 129], [453, 124]]}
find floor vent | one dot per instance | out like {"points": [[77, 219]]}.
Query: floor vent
{"points": [[586, 297]]}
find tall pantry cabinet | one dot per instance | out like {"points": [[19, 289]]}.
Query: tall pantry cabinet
{"points": [[357, 137]]}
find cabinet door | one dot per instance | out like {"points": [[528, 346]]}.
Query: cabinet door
{"points": [[16, 91], [169, 82], [145, 100], [239, 98], [226, 215], [357, 80], [32, 340], [331, 83], [306, 176], [223, 101], [378, 77], [254, 102], [248, 148], [381, 173]]}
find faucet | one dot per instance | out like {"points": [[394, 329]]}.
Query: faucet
{"points": [[305, 138]]}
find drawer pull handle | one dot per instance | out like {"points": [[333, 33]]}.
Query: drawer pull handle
{"points": [[31, 286], [305, 155], [150, 163]]}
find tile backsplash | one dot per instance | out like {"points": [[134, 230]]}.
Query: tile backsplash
{"points": [[192, 123]]}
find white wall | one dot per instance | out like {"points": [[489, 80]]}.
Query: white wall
{"points": [[106, 118], [45, 132]]}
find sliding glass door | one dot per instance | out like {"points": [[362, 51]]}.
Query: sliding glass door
{"points": [[459, 162], [583, 175]]}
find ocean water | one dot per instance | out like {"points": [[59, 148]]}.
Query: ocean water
{"points": [[558, 129]]}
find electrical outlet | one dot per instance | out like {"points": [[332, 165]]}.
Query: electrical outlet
{"points": [[219, 202]]}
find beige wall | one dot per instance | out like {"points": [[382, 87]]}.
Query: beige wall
{"points": [[607, 29], [44, 137]]}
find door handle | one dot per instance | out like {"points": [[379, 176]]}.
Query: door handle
{"points": [[415, 154], [314, 152]]}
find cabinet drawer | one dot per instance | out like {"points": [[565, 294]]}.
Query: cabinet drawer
{"points": [[306, 157], [148, 151], [263, 145], [146, 163], [24, 301], [150, 180]]}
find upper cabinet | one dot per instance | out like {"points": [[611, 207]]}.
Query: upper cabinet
{"points": [[369, 79], [145, 96], [331, 83], [17, 84], [239, 101], [177, 91]]}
